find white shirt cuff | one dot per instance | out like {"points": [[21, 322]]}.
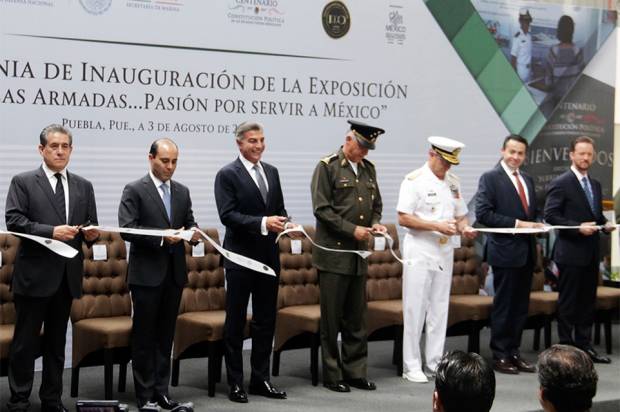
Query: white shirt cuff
{"points": [[263, 226]]}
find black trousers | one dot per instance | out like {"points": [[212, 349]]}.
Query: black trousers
{"points": [[155, 312], [31, 313], [510, 308], [576, 304], [240, 284]]}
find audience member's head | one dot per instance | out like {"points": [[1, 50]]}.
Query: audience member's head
{"points": [[465, 382], [567, 379]]}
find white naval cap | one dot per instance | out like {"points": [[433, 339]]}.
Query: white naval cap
{"points": [[447, 148]]}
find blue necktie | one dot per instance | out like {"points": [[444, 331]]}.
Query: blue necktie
{"points": [[166, 198], [586, 188]]}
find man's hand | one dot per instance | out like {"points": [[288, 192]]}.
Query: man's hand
{"points": [[378, 228], [529, 225], [588, 228], [91, 235], [276, 223], [196, 237], [609, 227], [446, 227], [173, 240], [65, 232], [361, 232], [469, 232]]}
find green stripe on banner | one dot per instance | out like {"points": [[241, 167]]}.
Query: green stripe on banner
{"points": [[534, 125], [474, 44], [519, 111], [499, 82], [451, 14]]}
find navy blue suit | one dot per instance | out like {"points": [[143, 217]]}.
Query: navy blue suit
{"points": [[241, 209], [576, 255], [511, 256]]}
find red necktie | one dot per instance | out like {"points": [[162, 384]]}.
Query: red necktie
{"points": [[521, 193]]}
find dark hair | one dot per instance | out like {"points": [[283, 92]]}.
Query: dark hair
{"points": [[155, 145], [54, 128], [465, 382], [567, 378], [581, 139], [517, 138], [566, 28]]}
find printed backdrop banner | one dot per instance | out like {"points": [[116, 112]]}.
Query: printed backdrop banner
{"points": [[122, 73]]}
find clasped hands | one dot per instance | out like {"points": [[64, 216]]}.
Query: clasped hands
{"points": [[362, 232], [66, 232], [589, 228]]}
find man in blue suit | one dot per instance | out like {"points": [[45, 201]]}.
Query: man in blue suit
{"points": [[574, 199], [506, 199], [251, 206]]}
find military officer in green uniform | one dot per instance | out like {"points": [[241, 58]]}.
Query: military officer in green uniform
{"points": [[347, 205]]}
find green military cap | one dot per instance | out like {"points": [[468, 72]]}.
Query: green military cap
{"points": [[365, 134]]}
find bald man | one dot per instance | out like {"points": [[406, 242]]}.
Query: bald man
{"points": [[157, 272]]}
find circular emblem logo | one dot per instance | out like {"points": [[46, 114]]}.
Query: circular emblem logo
{"points": [[96, 6], [336, 19]]}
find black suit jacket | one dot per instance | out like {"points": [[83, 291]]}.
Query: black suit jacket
{"points": [[31, 209], [142, 207], [498, 205], [241, 209], [567, 205]]}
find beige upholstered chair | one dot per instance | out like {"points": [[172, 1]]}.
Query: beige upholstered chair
{"points": [[200, 323], [102, 316], [384, 296], [8, 247], [299, 312], [468, 312]]}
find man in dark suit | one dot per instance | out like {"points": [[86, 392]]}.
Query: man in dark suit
{"points": [[574, 199], [157, 272], [506, 199], [251, 206], [52, 203]]}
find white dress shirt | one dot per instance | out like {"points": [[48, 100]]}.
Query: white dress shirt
{"points": [[249, 166], [65, 185]]}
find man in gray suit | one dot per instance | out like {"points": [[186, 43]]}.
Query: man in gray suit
{"points": [[157, 272], [53, 203]]}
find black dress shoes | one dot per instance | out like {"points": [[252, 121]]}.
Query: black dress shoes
{"points": [[361, 383], [338, 387], [522, 365], [165, 402], [237, 394], [267, 390], [505, 365], [54, 408], [596, 358]]}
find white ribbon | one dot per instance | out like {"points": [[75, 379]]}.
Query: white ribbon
{"points": [[187, 235], [362, 253], [56, 246], [532, 230]]}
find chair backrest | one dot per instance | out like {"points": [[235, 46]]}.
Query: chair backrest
{"points": [[299, 283], [384, 271], [9, 245], [205, 279], [466, 270], [104, 286]]}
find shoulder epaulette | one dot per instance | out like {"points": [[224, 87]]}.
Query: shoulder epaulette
{"points": [[413, 175], [518, 34], [330, 158]]}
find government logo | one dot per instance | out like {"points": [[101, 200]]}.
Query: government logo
{"points": [[336, 19], [96, 6]]}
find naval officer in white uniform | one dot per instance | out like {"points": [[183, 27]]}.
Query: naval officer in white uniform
{"points": [[521, 49], [431, 207]]}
